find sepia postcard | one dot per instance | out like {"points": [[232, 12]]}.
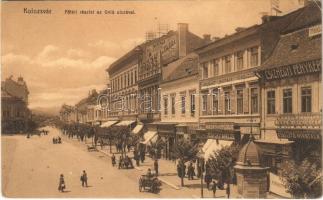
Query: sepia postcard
{"points": [[161, 99]]}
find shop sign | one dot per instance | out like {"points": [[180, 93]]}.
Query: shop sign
{"points": [[315, 30], [276, 186], [226, 79], [294, 70], [299, 134]]}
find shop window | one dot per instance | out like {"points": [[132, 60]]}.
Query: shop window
{"points": [[239, 56], [205, 70], [173, 105], [165, 105], [287, 101], [271, 102], [227, 64], [254, 57], [306, 99], [239, 101], [215, 67], [183, 104], [254, 100], [215, 101], [192, 104], [227, 103]]}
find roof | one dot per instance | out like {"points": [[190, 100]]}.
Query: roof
{"points": [[297, 47], [249, 155], [310, 15], [183, 67], [131, 55], [230, 38], [15, 88]]}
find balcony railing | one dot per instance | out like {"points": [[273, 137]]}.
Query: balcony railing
{"points": [[301, 120]]}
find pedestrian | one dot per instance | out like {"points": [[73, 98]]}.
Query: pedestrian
{"points": [[84, 179], [214, 185], [156, 166], [128, 147], [207, 179], [190, 171], [113, 159], [61, 184], [228, 190], [59, 140]]}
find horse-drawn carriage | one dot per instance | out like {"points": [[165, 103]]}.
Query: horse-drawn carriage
{"points": [[149, 183]]}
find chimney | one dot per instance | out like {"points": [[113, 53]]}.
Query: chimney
{"points": [[215, 38], [182, 29], [207, 37]]}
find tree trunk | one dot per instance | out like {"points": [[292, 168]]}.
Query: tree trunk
{"points": [[183, 173]]}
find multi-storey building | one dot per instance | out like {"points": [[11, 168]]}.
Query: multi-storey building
{"points": [[155, 55], [291, 90], [14, 105], [123, 75], [179, 105], [229, 89]]}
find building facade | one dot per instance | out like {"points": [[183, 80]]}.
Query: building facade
{"points": [[123, 98], [230, 103], [291, 87], [14, 105], [155, 55]]}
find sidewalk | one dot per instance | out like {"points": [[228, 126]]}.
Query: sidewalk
{"points": [[168, 175]]}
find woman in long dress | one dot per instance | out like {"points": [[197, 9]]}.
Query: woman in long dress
{"points": [[61, 185]]}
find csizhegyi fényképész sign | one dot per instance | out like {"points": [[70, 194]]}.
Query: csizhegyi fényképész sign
{"points": [[292, 70]]}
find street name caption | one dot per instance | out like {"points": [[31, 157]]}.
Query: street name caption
{"points": [[81, 12]]}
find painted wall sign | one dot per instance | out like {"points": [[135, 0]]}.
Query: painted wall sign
{"points": [[219, 80], [294, 70], [305, 134]]}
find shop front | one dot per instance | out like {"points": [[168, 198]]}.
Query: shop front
{"points": [[167, 133]]}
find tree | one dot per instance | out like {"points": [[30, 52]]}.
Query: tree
{"points": [[156, 148], [221, 163], [303, 180], [185, 151]]}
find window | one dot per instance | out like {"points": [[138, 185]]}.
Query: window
{"points": [[287, 101], [306, 99], [192, 104], [128, 76], [271, 102], [183, 104], [135, 76], [215, 101], [227, 64], [132, 78], [254, 100], [205, 70], [254, 57], [165, 105], [173, 105], [227, 102], [215, 67], [204, 102], [239, 60], [239, 101]]}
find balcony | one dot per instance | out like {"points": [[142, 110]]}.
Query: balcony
{"points": [[299, 121]]}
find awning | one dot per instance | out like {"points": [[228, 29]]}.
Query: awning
{"points": [[212, 145], [125, 123], [150, 136], [137, 129], [108, 124]]}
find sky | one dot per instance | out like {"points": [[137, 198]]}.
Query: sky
{"points": [[62, 57]]}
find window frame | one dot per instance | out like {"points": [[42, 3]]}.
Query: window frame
{"points": [[271, 101], [309, 101], [287, 100]]}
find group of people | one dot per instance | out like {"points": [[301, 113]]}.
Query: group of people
{"points": [[57, 140], [190, 172], [62, 185]]}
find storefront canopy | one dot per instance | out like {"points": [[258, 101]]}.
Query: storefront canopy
{"points": [[137, 129], [108, 124], [212, 145], [150, 136], [125, 123]]}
